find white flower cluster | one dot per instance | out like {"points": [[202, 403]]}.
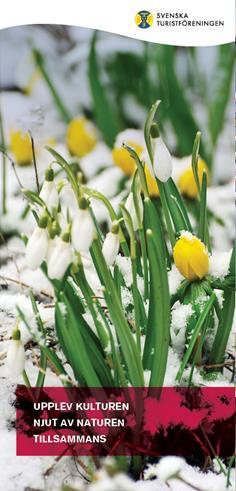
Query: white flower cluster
{"points": [[64, 229]]}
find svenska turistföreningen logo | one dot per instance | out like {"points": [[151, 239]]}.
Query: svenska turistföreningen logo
{"points": [[144, 19]]}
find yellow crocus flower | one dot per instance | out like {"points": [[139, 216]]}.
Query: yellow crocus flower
{"points": [[191, 257], [20, 145], [81, 137], [186, 182]]}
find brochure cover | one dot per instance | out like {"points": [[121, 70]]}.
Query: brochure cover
{"points": [[117, 263]]}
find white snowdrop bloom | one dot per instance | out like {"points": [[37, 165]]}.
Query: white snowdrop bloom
{"points": [[169, 467], [82, 231], [110, 247], [59, 260], [51, 246], [49, 195], [36, 249], [162, 164], [15, 360], [129, 205], [67, 197]]}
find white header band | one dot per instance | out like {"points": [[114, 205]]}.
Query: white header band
{"points": [[174, 22]]}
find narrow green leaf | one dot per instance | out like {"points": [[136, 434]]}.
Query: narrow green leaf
{"points": [[221, 89], [203, 226], [40, 62], [175, 102], [158, 327], [104, 114], [194, 337], [128, 347], [224, 328]]}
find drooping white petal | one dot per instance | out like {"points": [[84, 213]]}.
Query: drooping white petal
{"points": [[110, 248], [67, 198], [129, 204], [82, 231], [15, 360], [59, 260], [36, 249], [49, 195], [162, 164]]}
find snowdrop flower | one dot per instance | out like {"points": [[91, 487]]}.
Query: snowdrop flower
{"points": [[191, 257], [37, 246], [162, 162], [15, 360], [111, 244], [49, 192], [169, 467], [67, 196], [60, 257], [81, 137], [129, 205], [20, 145], [121, 156], [82, 231]]}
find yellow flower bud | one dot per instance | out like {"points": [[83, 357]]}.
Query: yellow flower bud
{"points": [[123, 159], [151, 183], [21, 148], [191, 257], [81, 137], [187, 184]]}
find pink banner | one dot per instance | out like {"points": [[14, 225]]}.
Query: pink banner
{"points": [[112, 421]]}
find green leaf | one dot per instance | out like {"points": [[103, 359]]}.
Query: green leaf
{"points": [[197, 329], [177, 208], [221, 89], [104, 114], [224, 328], [175, 102], [40, 62], [127, 344], [43, 356], [158, 327], [203, 225], [82, 352]]}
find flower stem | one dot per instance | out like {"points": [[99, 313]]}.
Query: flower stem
{"points": [[26, 379]]}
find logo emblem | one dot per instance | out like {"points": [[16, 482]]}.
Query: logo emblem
{"points": [[144, 19]]}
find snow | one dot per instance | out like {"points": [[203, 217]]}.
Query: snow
{"points": [[219, 264]]}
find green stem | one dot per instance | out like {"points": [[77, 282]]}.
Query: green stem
{"points": [[166, 214], [26, 379], [145, 263], [39, 60], [136, 303], [99, 196], [4, 168]]}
